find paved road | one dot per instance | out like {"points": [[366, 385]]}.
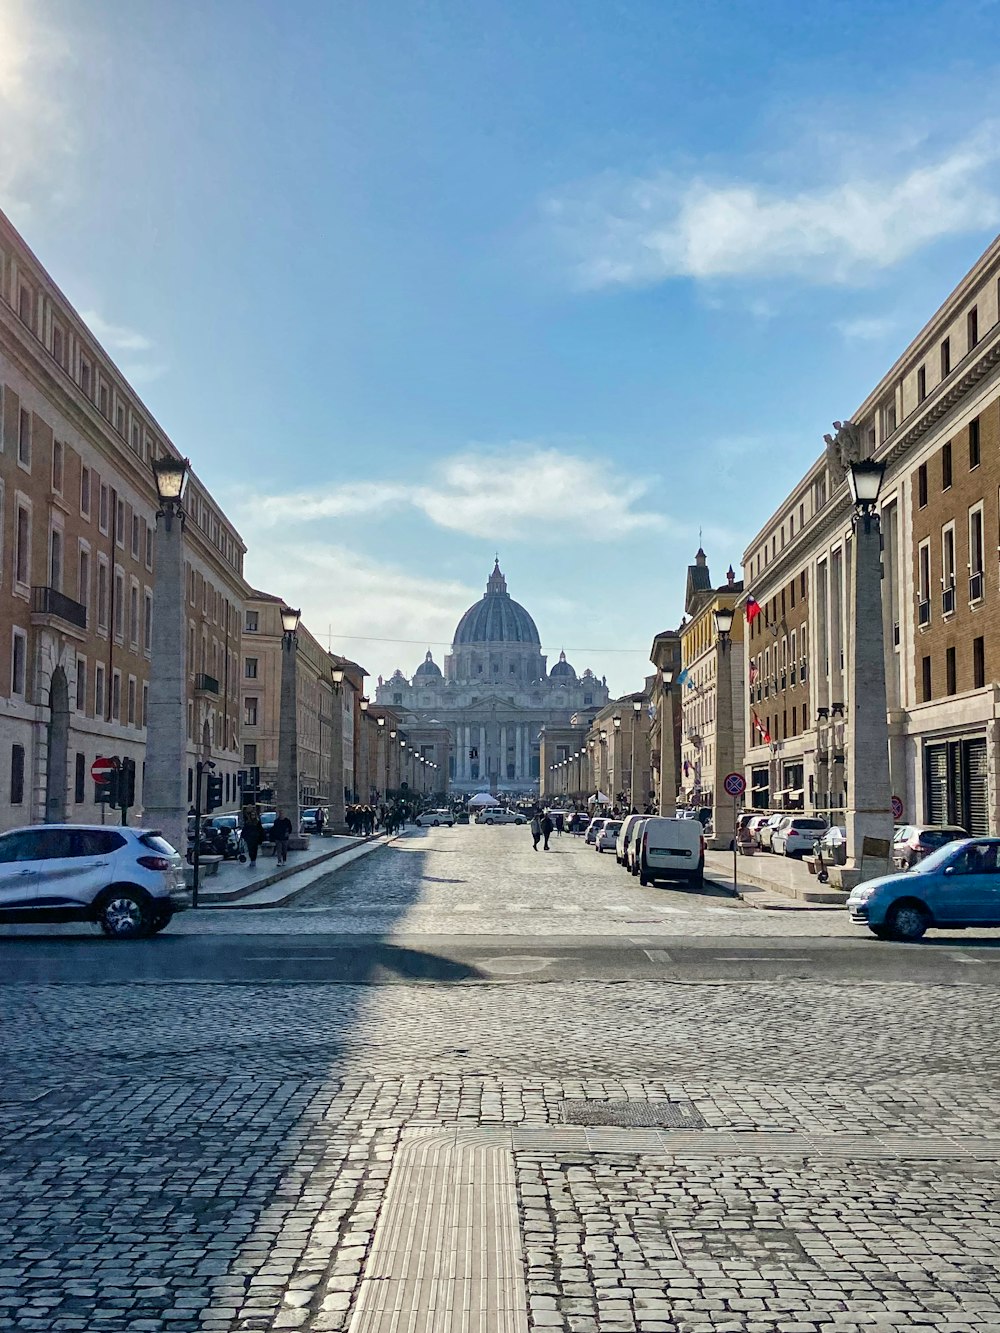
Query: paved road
{"points": [[230, 1127]]}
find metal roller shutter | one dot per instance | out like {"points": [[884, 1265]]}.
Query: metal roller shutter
{"points": [[976, 787]]}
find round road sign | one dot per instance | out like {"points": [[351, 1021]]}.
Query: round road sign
{"points": [[101, 769], [735, 784], [897, 808]]}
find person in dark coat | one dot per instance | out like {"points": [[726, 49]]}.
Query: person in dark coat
{"points": [[253, 832], [320, 819], [547, 827], [281, 831]]}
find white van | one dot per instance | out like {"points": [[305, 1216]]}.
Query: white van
{"points": [[671, 849], [625, 837]]}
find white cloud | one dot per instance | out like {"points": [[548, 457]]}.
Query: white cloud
{"points": [[870, 328], [644, 230], [115, 337], [517, 492], [372, 609]]}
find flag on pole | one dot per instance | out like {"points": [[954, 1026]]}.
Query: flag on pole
{"points": [[682, 676], [753, 672], [753, 609], [763, 732]]}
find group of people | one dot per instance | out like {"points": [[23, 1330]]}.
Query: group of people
{"points": [[542, 827], [363, 820], [254, 833]]}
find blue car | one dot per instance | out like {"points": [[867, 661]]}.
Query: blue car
{"points": [[954, 888]]}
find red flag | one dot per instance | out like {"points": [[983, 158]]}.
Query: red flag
{"points": [[753, 609], [753, 672], [765, 735]]}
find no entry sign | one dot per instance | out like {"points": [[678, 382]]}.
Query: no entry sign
{"points": [[735, 784], [101, 769]]}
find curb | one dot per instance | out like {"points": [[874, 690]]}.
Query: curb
{"points": [[208, 899]]}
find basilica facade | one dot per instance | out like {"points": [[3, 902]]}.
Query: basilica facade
{"points": [[494, 695]]}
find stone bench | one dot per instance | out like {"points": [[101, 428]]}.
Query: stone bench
{"points": [[207, 866]]}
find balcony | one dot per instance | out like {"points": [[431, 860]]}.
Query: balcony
{"points": [[976, 586], [205, 684], [55, 605]]}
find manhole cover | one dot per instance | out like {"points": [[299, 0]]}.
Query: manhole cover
{"points": [[668, 1115]]}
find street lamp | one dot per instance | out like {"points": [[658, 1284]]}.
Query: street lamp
{"points": [[287, 793], [636, 710], [668, 776], [724, 617], [164, 785], [338, 813], [723, 811], [868, 776]]}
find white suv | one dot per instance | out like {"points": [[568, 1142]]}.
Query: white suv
{"points": [[797, 836], [128, 881], [493, 816]]}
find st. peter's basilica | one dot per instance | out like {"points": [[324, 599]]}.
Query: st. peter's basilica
{"points": [[494, 694]]}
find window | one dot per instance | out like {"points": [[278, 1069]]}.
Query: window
{"points": [[120, 419], [250, 668], [102, 510], [85, 376], [888, 418], [116, 696], [55, 559], [974, 444], [976, 554], [80, 778], [147, 622], [85, 491], [24, 438], [922, 485], [145, 713], [119, 604], [925, 678], [135, 436], [946, 358], [136, 522], [946, 466], [249, 712], [978, 663], [924, 584], [131, 701], [133, 615], [949, 671], [149, 547], [120, 522], [99, 691], [921, 384], [948, 569], [16, 774], [24, 304], [83, 580], [58, 346], [253, 620], [250, 755], [22, 546], [102, 398], [972, 325], [18, 663], [102, 593], [57, 466]]}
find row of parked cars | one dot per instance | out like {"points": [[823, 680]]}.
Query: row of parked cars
{"points": [[653, 848]]}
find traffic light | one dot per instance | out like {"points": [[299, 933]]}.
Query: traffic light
{"points": [[126, 785], [213, 791], [107, 792]]}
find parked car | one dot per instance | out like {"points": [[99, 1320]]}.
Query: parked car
{"points": [[593, 828], [671, 849], [433, 818], [578, 822], [625, 837], [765, 831], [462, 817], [912, 842], [608, 836], [954, 888], [499, 816], [632, 864], [796, 836], [307, 819], [129, 881]]}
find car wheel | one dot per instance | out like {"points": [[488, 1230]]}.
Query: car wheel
{"points": [[824, 877], [124, 913], [435, 822], [907, 921], [487, 821], [643, 879]]}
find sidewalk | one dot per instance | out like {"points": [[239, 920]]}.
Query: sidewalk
{"points": [[775, 883], [235, 884]]}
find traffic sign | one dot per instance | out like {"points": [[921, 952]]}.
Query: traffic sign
{"points": [[897, 807], [101, 769], [735, 784]]}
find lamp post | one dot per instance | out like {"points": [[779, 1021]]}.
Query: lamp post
{"points": [[338, 813], [381, 759], [287, 793], [869, 813], [723, 811], [164, 785], [668, 777], [614, 756], [636, 710]]}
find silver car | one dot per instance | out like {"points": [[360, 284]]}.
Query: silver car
{"points": [[128, 881]]}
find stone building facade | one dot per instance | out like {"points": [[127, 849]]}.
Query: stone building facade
{"points": [[77, 515], [934, 420], [494, 695]]}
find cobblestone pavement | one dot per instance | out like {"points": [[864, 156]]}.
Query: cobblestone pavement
{"points": [[216, 1157]]}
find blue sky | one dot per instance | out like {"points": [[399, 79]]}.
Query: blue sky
{"points": [[412, 283]]}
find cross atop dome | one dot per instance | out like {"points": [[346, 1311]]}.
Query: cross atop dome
{"points": [[496, 581]]}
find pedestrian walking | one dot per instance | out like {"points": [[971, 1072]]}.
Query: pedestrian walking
{"points": [[320, 820], [253, 832], [281, 831], [546, 826], [536, 832]]}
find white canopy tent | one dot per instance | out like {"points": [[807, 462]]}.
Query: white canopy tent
{"points": [[598, 798], [482, 798]]}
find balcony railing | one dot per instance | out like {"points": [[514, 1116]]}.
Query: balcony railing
{"points": [[976, 586], [52, 602], [924, 612], [947, 600], [206, 684]]}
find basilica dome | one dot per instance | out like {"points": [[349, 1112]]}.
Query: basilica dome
{"points": [[497, 618], [562, 669], [428, 668]]}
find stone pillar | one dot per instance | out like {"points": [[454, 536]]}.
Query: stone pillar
{"points": [[668, 773], [337, 812], [165, 786], [287, 793], [725, 746], [869, 814]]}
